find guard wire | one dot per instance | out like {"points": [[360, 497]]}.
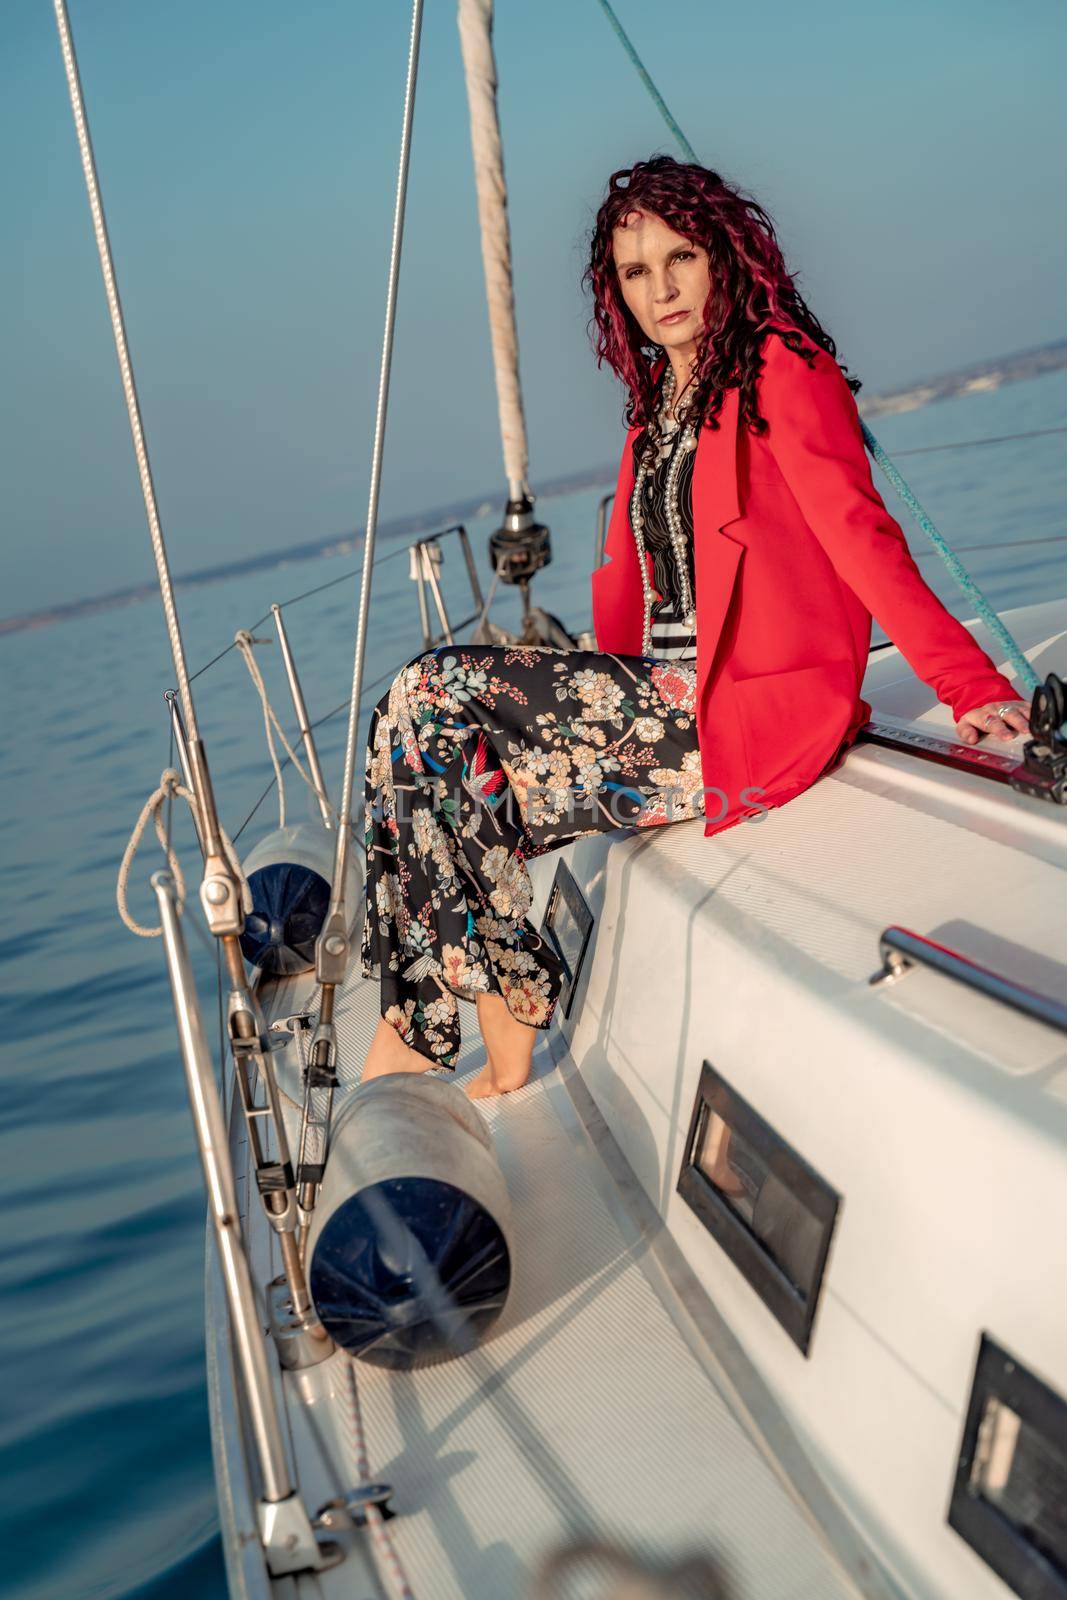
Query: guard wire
{"points": [[129, 387]]}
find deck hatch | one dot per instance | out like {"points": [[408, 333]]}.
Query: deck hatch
{"points": [[1009, 1500], [760, 1200], [567, 925]]}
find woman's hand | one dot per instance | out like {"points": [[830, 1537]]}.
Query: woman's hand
{"points": [[1006, 718]]}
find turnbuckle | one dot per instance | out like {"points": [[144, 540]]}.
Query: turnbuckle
{"points": [[320, 1081]]}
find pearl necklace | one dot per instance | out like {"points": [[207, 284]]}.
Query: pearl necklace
{"points": [[686, 441]]}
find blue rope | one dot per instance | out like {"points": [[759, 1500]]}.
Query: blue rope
{"points": [[661, 104], [985, 609]]}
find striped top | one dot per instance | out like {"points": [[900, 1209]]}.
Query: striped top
{"points": [[672, 638]]}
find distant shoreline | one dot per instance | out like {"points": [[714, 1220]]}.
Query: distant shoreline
{"points": [[980, 377]]}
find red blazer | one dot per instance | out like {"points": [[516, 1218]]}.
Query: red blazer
{"points": [[793, 551]]}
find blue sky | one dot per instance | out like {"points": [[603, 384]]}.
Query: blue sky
{"points": [[911, 156]]}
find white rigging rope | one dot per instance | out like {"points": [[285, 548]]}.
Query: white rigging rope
{"points": [[170, 787], [475, 19], [244, 641], [129, 388]]}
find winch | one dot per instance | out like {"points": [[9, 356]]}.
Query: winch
{"points": [[1044, 769]]}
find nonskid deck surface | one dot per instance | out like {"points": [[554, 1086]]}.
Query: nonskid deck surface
{"points": [[586, 1412]]}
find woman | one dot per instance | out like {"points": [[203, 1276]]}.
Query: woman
{"points": [[747, 551]]}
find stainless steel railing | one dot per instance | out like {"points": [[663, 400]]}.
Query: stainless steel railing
{"points": [[901, 949], [289, 1540]]}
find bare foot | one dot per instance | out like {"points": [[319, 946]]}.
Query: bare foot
{"points": [[509, 1045], [389, 1053]]}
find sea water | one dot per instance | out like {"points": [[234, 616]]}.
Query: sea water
{"points": [[105, 1454]]}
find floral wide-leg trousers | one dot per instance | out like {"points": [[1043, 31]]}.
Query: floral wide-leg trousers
{"points": [[480, 758]]}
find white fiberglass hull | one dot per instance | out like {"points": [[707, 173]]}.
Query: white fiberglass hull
{"points": [[637, 1387]]}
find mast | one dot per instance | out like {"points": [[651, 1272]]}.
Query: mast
{"points": [[521, 546]]}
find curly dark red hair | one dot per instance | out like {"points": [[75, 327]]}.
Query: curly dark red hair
{"points": [[751, 288]]}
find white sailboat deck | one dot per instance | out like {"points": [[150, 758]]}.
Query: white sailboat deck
{"points": [[636, 1388], [594, 1409]]}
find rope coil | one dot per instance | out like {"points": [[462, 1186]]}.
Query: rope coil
{"points": [[170, 786]]}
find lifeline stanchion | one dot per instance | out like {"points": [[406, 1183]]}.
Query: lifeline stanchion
{"points": [[303, 722], [285, 1529]]}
